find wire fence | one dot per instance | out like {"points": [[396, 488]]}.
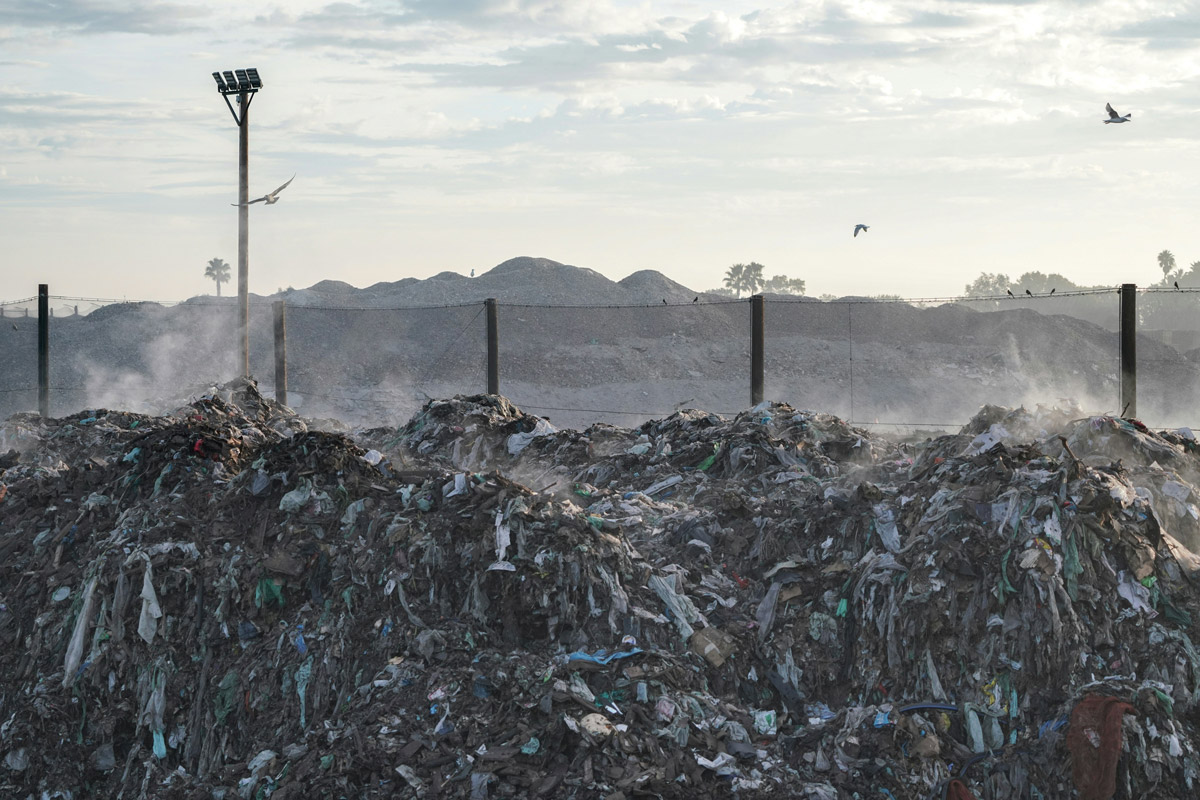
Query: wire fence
{"points": [[915, 364]]}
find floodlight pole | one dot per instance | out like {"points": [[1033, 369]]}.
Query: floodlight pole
{"points": [[244, 231], [244, 83]]}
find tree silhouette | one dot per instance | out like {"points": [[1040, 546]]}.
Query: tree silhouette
{"points": [[1166, 262], [734, 277], [782, 284], [746, 278], [217, 271], [752, 277]]}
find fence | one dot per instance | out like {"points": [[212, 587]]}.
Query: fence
{"points": [[916, 364]]}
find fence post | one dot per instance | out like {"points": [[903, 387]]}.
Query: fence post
{"points": [[44, 349], [757, 329], [493, 348], [1129, 350], [280, 351]]}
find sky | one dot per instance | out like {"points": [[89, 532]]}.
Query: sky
{"points": [[679, 136]]}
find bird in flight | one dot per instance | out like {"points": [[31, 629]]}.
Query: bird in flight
{"points": [[270, 199], [860, 227], [1113, 116]]}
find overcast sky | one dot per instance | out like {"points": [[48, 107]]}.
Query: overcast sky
{"points": [[431, 135]]}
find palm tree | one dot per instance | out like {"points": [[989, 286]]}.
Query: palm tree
{"points": [[745, 278], [753, 278], [217, 271], [734, 279], [1166, 262]]}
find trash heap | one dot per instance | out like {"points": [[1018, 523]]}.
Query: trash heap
{"points": [[222, 602]]}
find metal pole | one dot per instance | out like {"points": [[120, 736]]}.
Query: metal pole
{"points": [[1129, 350], [756, 349], [43, 350], [493, 347], [244, 231], [280, 351]]}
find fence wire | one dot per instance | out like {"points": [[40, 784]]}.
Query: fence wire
{"points": [[625, 364], [891, 363], [931, 364], [1168, 356], [379, 365]]}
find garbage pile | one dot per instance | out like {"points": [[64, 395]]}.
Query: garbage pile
{"points": [[222, 602]]}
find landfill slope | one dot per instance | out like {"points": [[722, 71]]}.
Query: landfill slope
{"points": [[221, 602]]}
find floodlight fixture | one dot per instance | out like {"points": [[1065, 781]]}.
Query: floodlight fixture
{"points": [[240, 82]]}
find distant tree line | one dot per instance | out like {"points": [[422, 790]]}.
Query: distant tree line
{"points": [[748, 279]]}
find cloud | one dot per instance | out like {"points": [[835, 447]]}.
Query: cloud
{"points": [[90, 17], [1163, 32]]}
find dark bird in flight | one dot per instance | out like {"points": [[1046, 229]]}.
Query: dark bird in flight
{"points": [[271, 198], [1010, 294], [860, 227], [1029, 293], [1113, 116]]}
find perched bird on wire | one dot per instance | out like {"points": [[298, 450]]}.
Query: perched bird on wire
{"points": [[1010, 294], [1029, 293], [697, 298], [270, 199], [1176, 289], [664, 301], [1052, 291], [1113, 116], [860, 227]]}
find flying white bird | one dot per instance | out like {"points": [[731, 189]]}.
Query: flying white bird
{"points": [[860, 227], [1113, 116], [270, 199]]}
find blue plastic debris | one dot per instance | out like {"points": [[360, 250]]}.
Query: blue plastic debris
{"points": [[601, 656]]}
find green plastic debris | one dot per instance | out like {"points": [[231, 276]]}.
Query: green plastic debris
{"points": [[268, 591], [1167, 702], [708, 462], [160, 746], [226, 699], [531, 747], [327, 761], [303, 674]]}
